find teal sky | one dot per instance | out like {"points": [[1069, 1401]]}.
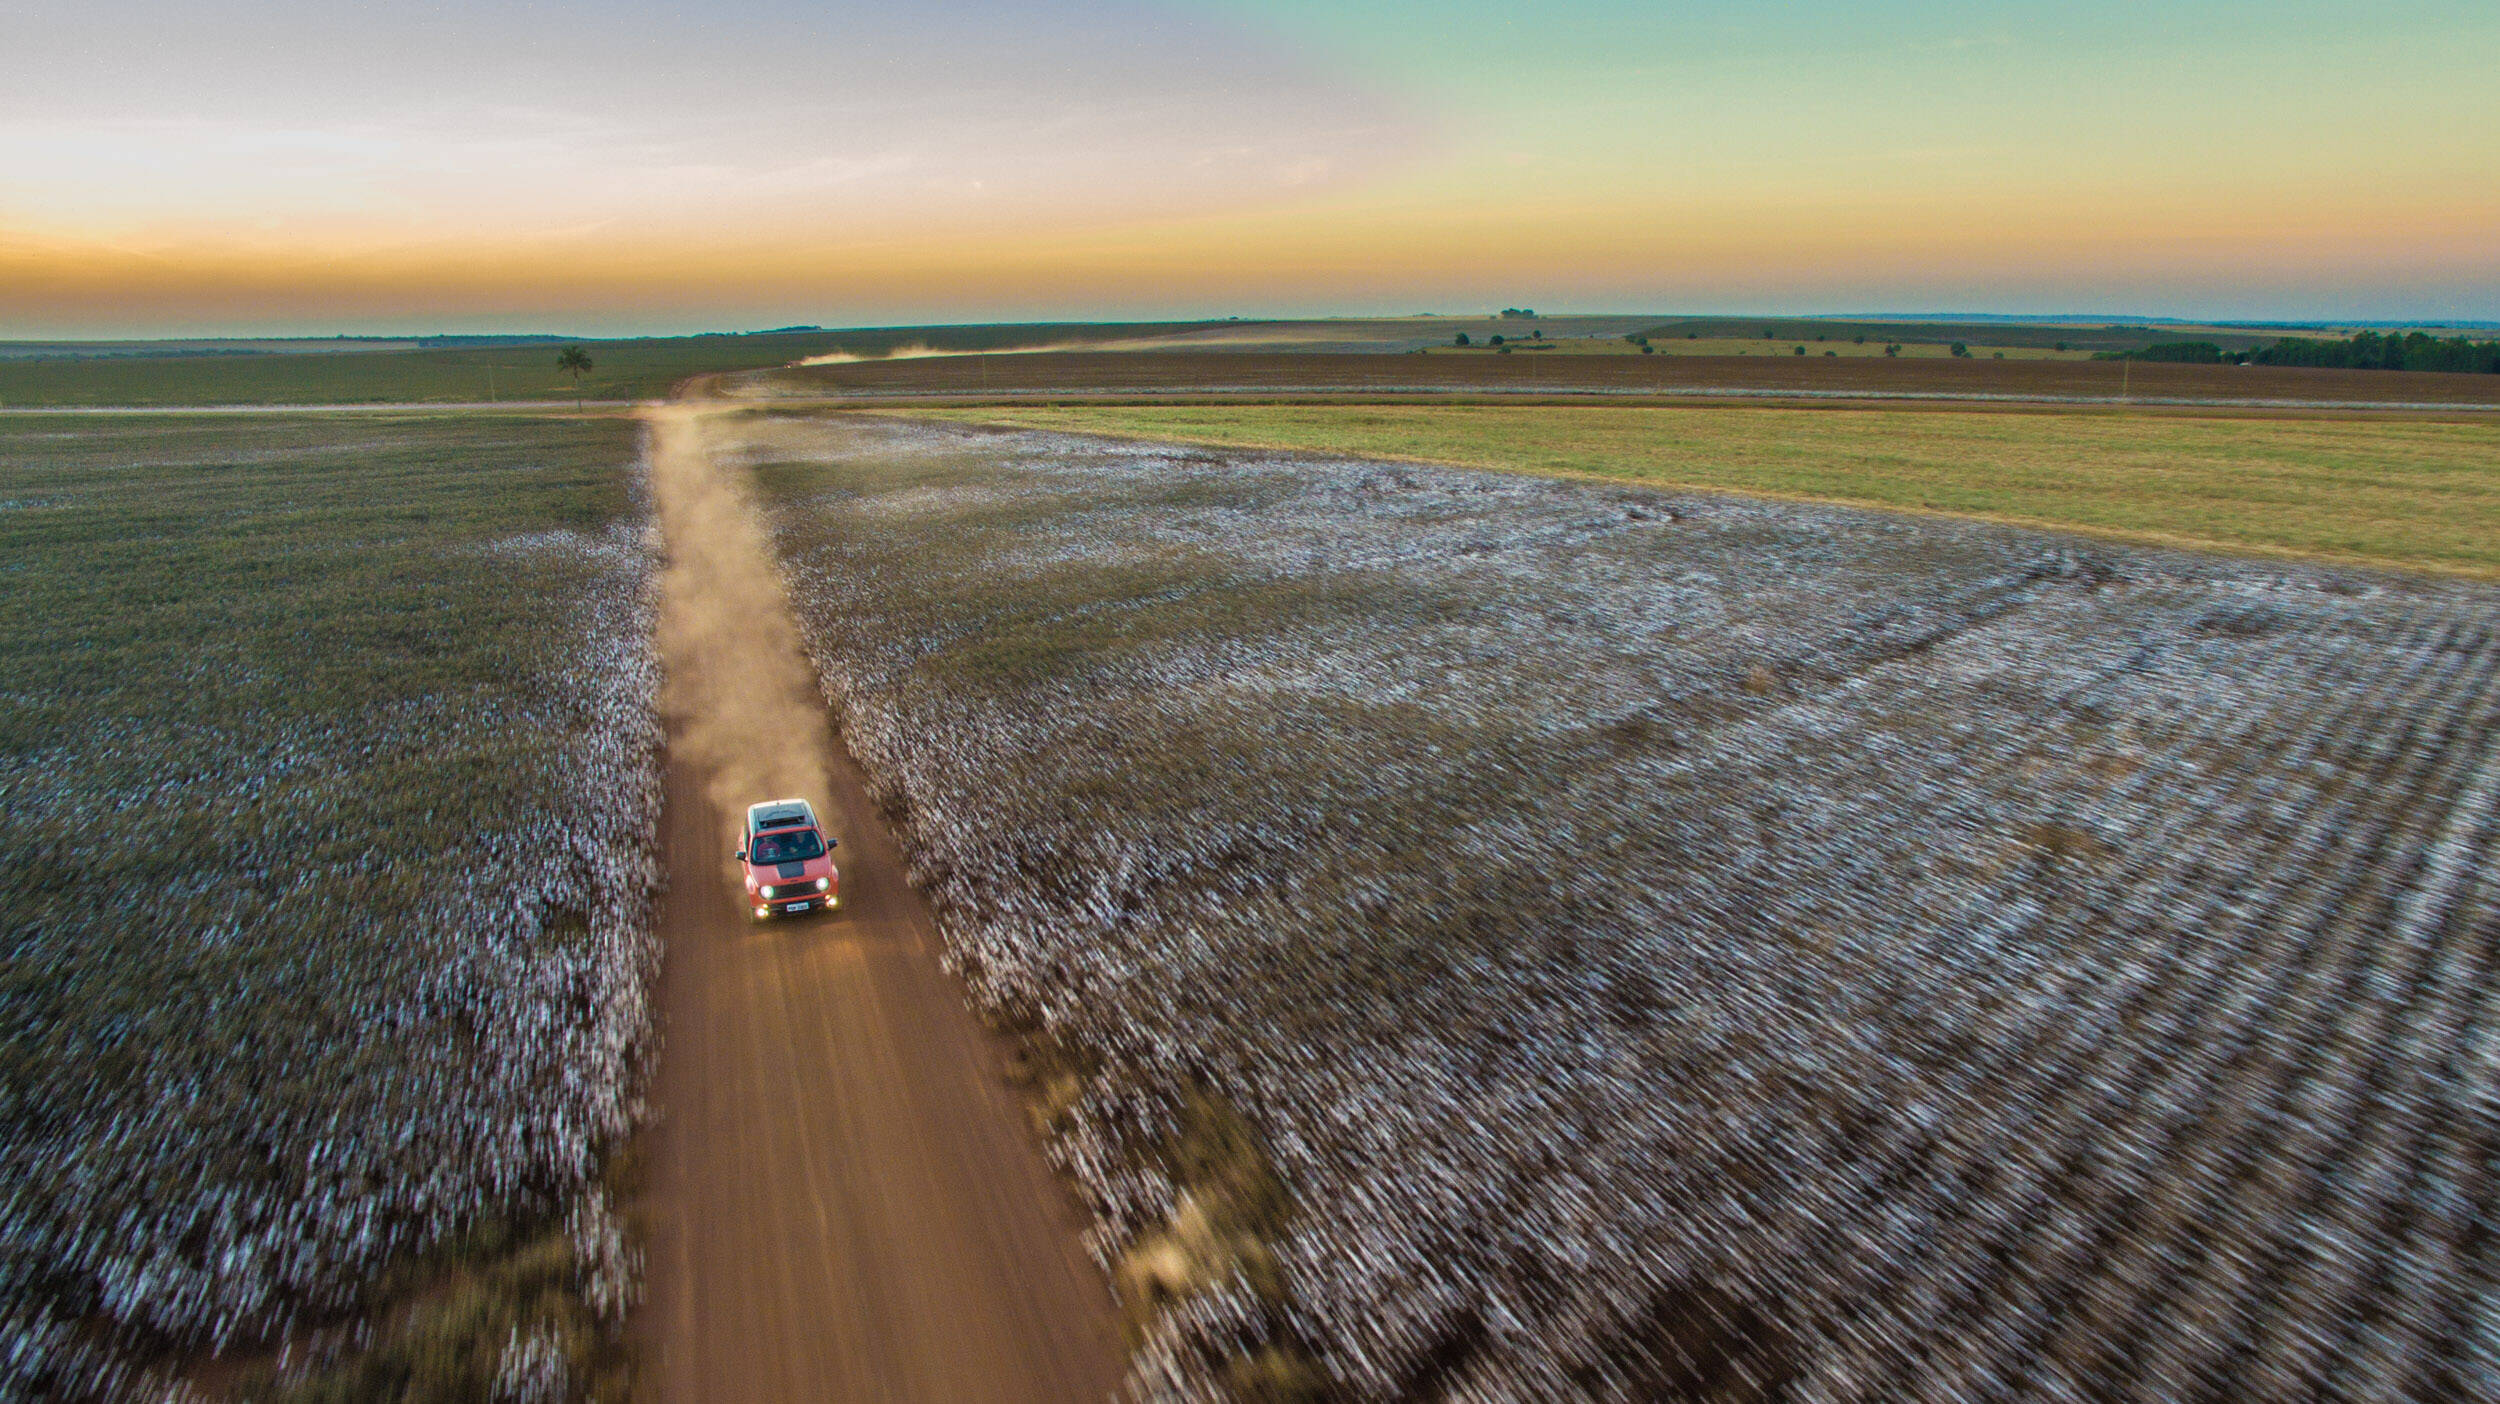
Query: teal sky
{"points": [[176, 165], [1823, 102]]}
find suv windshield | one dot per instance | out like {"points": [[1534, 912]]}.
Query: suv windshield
{"points": [[792, 846]]}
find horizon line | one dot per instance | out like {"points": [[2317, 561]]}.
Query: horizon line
{"points": [[2146, 320]]}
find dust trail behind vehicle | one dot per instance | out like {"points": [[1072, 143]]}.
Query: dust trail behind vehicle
{"points": [[740, 690], [845, 1200]]}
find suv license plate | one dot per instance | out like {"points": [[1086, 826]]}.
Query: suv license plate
{"points": [[799, 906]]}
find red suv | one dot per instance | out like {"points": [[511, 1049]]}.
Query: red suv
{"points": [[788, 860]]}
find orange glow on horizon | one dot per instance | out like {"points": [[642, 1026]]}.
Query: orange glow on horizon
{"points": [[1342, 256], [171, 168]]}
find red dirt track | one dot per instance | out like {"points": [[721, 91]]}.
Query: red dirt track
{"points": [[845, 1199]]}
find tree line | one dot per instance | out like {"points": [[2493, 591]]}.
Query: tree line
{"points": [[2415, 351]]}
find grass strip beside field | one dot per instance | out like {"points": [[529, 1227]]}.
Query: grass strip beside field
{"points": [[2417, 494]]}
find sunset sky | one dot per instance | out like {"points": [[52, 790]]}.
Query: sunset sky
{"points": [[178, 167]]}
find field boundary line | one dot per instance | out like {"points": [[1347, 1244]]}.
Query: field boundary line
{"points": [[2168, 540], [1227, 394]]}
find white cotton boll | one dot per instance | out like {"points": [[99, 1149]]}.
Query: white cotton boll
{"points": [[533, 1368], [1802, 935], [450, 1071]]}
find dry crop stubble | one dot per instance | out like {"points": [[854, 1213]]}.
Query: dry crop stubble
{"points": [[1661, 943]]}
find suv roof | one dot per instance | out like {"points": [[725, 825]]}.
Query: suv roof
{"points": [[778, 814]]}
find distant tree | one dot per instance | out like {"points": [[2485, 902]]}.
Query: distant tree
{"points": [[1962, 349], [1831, 353], [1822, 336], [1893, 349], [2061, 346], [1497, 338], [2000, 355], [1692, 336], [1538, 333], [1766, 333], [1801, 350], [1648, 350], [2415, 351], [575, 362], [1462, 340], [1861, 338]]}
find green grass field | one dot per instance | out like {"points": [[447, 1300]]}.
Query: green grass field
{"points": [[626, 370], [641, 369], [2408, 493]]}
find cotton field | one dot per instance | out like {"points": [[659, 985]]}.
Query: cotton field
{"points": [[327, 854], [1689, 947]]}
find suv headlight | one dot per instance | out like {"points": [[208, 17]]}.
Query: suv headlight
{"points": [[769, 892], [823, 882]]}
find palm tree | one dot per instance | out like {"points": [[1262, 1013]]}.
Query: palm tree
{"points": [[575, 362]]}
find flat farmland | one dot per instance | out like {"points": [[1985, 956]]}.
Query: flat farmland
{"points": [[328, 753], [643, 368], [2415, 493], [624, 370], [1158, 373], [1490, 936], [1754, 346]]}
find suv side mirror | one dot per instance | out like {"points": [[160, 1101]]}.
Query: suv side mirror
{"points": [[740, 855], [832, 842]]}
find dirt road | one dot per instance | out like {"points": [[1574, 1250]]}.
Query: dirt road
{"points": [[845, 1201]]}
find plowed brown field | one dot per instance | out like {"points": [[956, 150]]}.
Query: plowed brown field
{"points": [[1534, 373]]}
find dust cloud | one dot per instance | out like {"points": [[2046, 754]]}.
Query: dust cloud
{"points": [[917, 352], [1181, 341], [740, 697]]}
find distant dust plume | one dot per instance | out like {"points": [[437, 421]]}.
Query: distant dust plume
{"points": [[915, 351]]}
